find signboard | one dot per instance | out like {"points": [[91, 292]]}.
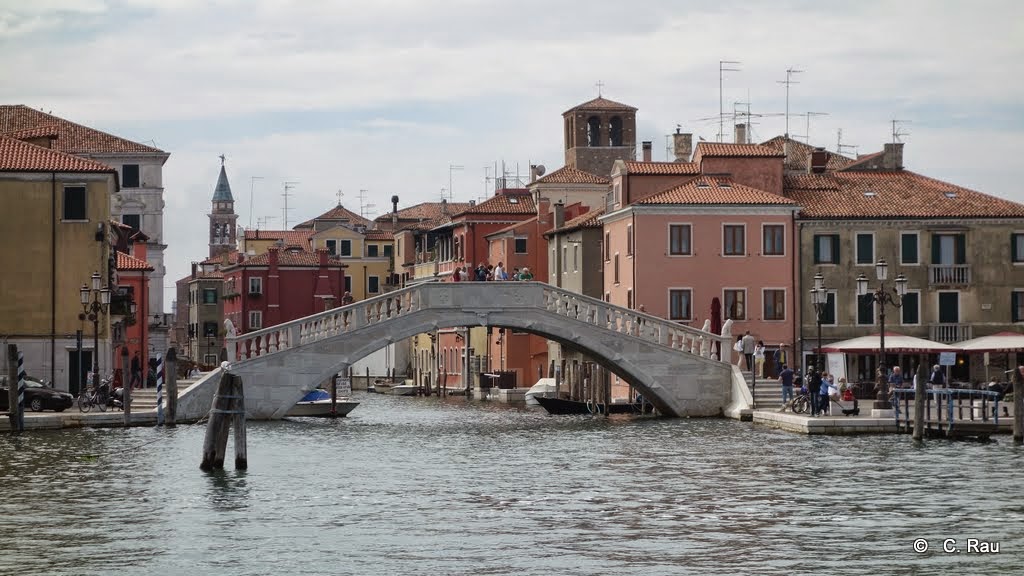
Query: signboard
{"points": [[837, 365], [947, 358], [344, 386]]}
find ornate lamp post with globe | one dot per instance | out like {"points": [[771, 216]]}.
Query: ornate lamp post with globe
{"points": [[883, 297], [95, 300], [819, 297]]}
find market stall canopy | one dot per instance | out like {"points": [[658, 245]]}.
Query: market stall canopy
{"points": [[1001, 342], [894, 344]]}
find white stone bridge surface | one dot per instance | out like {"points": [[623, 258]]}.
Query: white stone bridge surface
{"points": [[675, 367]]}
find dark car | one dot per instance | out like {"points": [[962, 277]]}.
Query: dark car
{"points": [[38, 396]]}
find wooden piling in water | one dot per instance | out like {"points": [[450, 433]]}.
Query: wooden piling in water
{"points": [[171, 370], [1018, 406], [919, 400], [334, 396], [238, 421], [126, 388], [217, 426], [14, 410]]}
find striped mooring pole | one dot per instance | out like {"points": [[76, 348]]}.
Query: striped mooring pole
{"points": [[159, 389], [21, 391]]}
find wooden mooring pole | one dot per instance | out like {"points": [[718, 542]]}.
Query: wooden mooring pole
{"points": [[15, 410], [334, 395], [228, 407], [238, 420], [171, 370], [1018, 406], [919, 400], [126, 388]]}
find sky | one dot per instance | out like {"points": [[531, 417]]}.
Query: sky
{"points": [[387, 96]]}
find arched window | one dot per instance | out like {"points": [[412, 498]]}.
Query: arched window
{"points": [[593, 131], [615, 131]]}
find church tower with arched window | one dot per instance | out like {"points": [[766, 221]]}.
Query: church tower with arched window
{"points": [[222, 217], [597, 133]]}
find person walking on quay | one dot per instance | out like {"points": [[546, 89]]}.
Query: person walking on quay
{"points": [[937, 378], [813, 390], [759, 358], [786, 379], [824, 390], [748, 350], [135, 380], [896, 378], [780, 357]]}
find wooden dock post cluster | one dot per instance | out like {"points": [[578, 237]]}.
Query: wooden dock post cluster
{"points": [[228, 410], [171, 370]]}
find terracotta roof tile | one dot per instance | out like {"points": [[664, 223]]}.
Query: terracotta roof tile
{"points": [[290, 237], [723, 149], [41, 131], [289, 258], [379, 235], [72, 137], [510, 227], [126, 263], [601, 104], [892, 194], [19, 156], [866, 162], [211, 275], [423, 211], [339, 212], [708, 190], [508, 202], [661, 168], [799, 152], [569, 175], [228, 257], [588, 220]]}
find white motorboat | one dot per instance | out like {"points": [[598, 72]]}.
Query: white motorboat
{"points": [[544, 388], [404, 390], [318, 403]]}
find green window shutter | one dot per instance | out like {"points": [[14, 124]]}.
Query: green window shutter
{"points": [[1013, 248], [865, 248], [936, 249], [908, 245], [835, 249], [961, 249], [817, 249]]}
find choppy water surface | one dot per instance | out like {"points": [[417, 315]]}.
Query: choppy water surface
{"points": [[418, 486]]}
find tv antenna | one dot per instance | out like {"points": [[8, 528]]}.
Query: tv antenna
{"points": [[487, 180], [364, 207], [723, 67], [789, 80], [252, 186], [841, 148], [897, 130], [263, 221], [807, 116], [451, 168], [288, 186]]}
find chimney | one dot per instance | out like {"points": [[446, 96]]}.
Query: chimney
{"points": [[322, 256], [683, 146], [272, 256], [740, 134], [892, 156], [817, 160], [559, 214], [240, 257], [646, 144], [194, 266], [472, 202], [444, 206], [394, 213]]}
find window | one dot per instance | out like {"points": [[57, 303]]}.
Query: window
{"points": [[209, 329], [130, 176], [949, 307], [209, 295], [593, 131], [949, 249], [735, 304], [679, 305], [372, 250], [615, 131], [255, 285], [828, 312], [911, 309], [348, 283], [373, 286], [346, 248], [679, 240], [826, 248], [575, 257], [388, 250], [629, 240], [865, 248], [616, 267], [629, 298], [1017, 306], [774, 240], [774, 304], [733, 241], [74, 203], [607, 246], [866, 309], [1017, 248], [332, 247], [133, 220], [565, 259], [908, 248], [255, 319], [520, 247]]}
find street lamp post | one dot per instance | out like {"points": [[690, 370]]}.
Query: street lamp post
{"points": [[882, 297], [819, 297], [95, 300]]}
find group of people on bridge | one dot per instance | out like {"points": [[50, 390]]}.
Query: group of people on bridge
{"points": [[488, 273]]}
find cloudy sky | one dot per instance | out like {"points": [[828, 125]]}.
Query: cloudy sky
{"points": [[385, 95]]}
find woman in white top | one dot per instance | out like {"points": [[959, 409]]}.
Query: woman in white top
{"points": [[759, 357]]}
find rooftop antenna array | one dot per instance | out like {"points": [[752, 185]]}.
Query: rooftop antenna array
{"points": [[738, 114], [364, 206], [807, 115], [841, 148], [789, 80], [487, 180], [252, 186], [264, 220], [452, 168], [288, 186], [897, 130], [723, 67]]}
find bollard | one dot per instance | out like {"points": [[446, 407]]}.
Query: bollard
{"points": [[159, 389], [21, 391], [171, 370]]}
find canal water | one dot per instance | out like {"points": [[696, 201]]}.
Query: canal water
{"points": [[423, 486]]}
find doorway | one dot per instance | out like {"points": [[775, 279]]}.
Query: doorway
{"points": [[76, 371]]}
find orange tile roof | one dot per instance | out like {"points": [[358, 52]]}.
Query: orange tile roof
{"points": [[891, 194], [19, 156], [661, 168], [379, 235], [339, 212], [723, 149], [289, 258], [799, 152], [588, 220], [289, 237], [871, 161], [72, 137], [714, 190], [423, 211], [509, 202], [227, 257], [212, 274], [126, 263], [510, 227], [569, 175], [42, 131], [601, 104]]}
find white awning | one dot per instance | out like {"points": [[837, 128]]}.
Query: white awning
{"points": [[1001, 342], [894, 344]]}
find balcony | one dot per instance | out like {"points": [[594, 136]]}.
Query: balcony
{"points": [[949, 275], [949, 333]]}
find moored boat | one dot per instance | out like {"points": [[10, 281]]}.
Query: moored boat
{"points": [[318, 403], [563, 406]]}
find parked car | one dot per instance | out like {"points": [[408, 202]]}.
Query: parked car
{"points": [[39, 396]]}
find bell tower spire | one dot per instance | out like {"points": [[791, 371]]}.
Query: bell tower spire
{"points": [[222, 215]]}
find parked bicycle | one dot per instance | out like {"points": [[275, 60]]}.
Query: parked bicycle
{"points": [[95, 396]]}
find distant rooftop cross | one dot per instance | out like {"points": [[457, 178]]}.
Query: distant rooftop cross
{"points": [[599, 85], [339, 195], [222, 159]]}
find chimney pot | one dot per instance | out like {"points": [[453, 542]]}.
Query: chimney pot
{"points": [[647, 150], [559, 214], [892, 156], [740, 134], [683, 146], [817, 160]]}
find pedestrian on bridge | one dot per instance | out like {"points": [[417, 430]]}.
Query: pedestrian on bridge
{"points": [[748, 350]]}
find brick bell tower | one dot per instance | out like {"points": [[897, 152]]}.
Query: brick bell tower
{"points": [[597, 133], [222, 216]]}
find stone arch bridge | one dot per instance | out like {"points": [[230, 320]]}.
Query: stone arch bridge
{"points": [[675, 367]]}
